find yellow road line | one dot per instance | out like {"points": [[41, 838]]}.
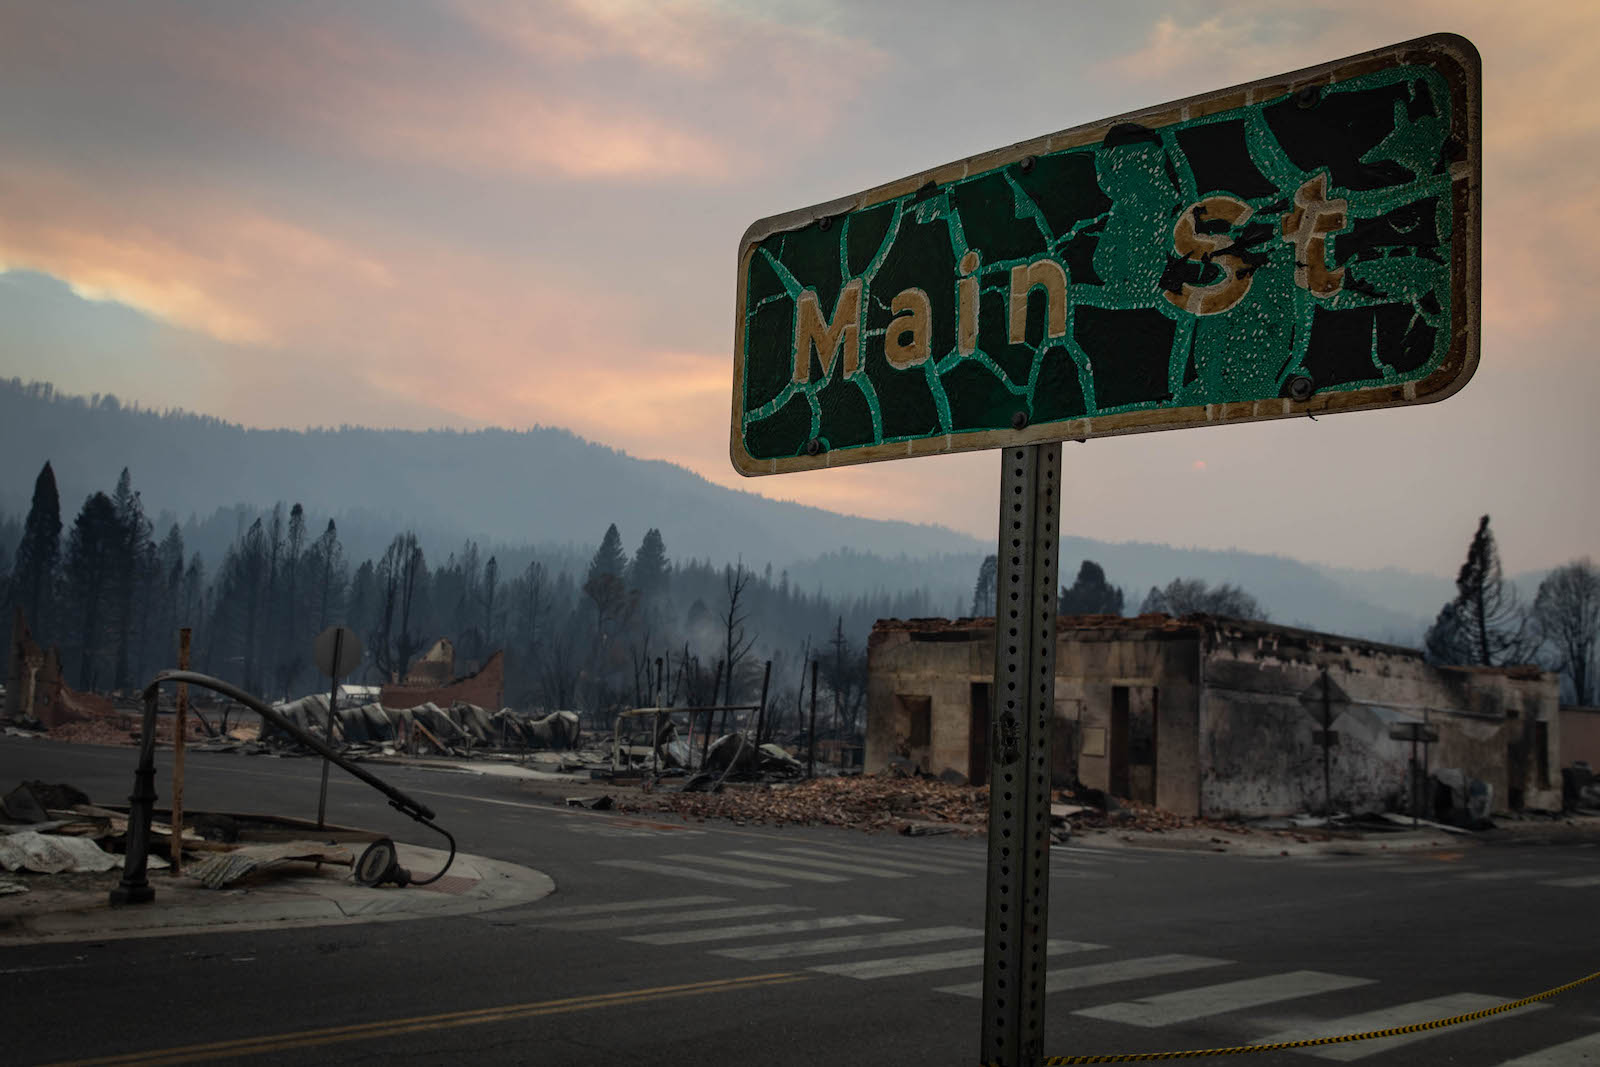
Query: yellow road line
{"points": [[252, 1046]]}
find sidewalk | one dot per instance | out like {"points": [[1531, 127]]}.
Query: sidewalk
{"points": [[76, 907]]}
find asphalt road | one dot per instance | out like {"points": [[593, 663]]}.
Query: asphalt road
{"points": [[707, 943]]}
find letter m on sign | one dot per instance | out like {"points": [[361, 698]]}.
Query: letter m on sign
{"points": [[826, 337]]}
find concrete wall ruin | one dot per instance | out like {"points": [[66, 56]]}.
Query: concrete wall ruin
{"points": [[1269, 692], [1219, 717]]}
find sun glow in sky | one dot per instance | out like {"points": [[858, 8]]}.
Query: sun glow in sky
{"points": [[487, 212]]}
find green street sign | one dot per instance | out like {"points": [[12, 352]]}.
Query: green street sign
{"points": [[1299, 245]]}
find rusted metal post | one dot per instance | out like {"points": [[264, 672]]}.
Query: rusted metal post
{"points": [[180, 734], [1327, 748], [705, 742], [655, 745], [761, 712], [811, 731], [333, 702]]}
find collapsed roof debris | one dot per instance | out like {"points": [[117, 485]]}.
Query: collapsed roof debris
{"points": [[222, 869], [427, 729]]}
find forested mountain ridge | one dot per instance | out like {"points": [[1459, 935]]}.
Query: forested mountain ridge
{"points": [[539, 486], [547, 488]]}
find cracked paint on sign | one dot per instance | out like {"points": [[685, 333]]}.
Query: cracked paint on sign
{"points": [[1217, 260]]}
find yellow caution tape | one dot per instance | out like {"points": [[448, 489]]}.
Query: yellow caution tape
{"points": [[1393, 1031]]}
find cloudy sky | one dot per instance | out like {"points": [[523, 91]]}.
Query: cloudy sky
{"points": [[486, 212]]}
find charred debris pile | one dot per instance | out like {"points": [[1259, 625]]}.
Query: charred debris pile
{"points": [[53, 829]]}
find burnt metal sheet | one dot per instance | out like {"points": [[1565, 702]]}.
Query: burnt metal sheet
{"points": [[1304, 244]]}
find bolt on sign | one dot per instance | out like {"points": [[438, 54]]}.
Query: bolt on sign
{"points": [[1303, 244]]}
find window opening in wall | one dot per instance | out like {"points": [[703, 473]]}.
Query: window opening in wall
{"points": [[978, 735], [1117, 742], [1541, 739], [921, 725]]}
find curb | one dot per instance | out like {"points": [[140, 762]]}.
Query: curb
{"points": [[283, 900]]}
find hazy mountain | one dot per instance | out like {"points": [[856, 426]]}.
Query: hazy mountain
{"points": [[1292, 592], [512, 489]]}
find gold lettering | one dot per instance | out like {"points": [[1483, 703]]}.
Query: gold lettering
{"points": [[1314, 215], [1041, 273], [913, 312], [967, 305], [1218, 296], [827, 337]]}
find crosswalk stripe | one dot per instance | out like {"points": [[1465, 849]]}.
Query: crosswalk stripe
{"points": [[619, 922], [889, 854], [757, 868], [866, 970], [608, 909], [1097, 974], [895, 855], [1575, 883], [943, 854], [1399, 1015], [715, 877], [893, 865], [1505, 876], [730, 933], [850, 867], [1097, 853], [849, 943], [1583, 1050], [1169, 1008]]}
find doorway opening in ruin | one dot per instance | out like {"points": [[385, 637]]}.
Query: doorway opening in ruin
{"points": [[914, 727], [1131, 743], [978, 735]]}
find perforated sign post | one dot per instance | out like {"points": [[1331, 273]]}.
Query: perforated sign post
{"points": [[1301, 245]]}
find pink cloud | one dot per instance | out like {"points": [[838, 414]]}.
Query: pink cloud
{"points": [[556, 93]]}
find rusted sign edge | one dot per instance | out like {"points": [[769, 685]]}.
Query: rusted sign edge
{"points": [[1456, 60]]}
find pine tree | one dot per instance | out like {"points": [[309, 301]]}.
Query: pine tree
{"points": [[39, 553], [293, 642], [93, 564], [135, 561], [325, 562], [488, 597], [604, 585], [983, 591], [650, 569], [1484, 624], [1090, 593], [609, 559], [168, 587]]}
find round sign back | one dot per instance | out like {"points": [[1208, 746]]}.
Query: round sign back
{"points": [[337, 651]]}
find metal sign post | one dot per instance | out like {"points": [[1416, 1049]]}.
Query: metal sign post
{"points": [[337, 650], [1418, 733], [180, 738], [1017, 915], [1301, 245]]}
